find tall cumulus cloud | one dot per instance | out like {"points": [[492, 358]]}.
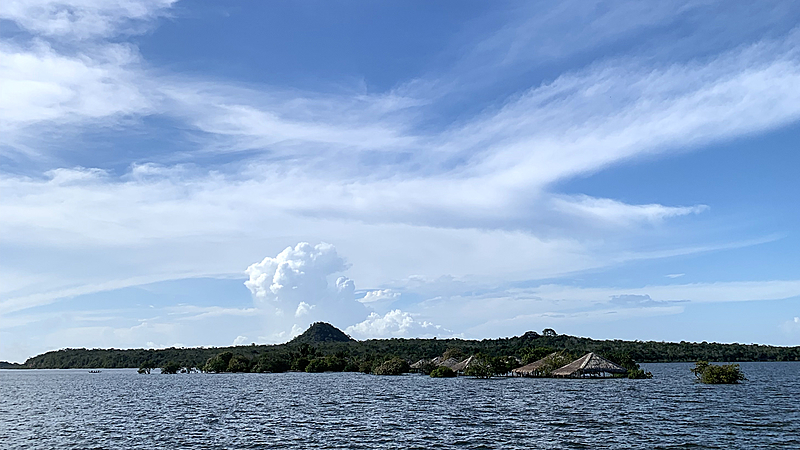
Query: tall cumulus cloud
{"points": [[300, 286]]}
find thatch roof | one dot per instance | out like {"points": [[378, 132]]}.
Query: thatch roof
{"points": [[460, 367], [588, 364], [535, 368], [449, 362], [419, 364]]}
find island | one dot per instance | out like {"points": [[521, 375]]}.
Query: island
{"points": [[325, 348]]}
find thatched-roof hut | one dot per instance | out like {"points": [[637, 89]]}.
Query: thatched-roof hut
{"points": [[449, 362], [540, 368], [589, 365], [418, 366], [463, 365]]}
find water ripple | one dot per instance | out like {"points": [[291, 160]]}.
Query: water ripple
{"points": [[42, 409]]}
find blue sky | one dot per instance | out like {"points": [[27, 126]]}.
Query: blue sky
{"points": [[197, 173]]}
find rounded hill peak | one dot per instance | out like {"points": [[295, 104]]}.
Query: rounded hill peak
{"points": [[322, 332]]}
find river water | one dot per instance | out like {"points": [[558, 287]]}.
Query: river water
{"points": [[44, 409]]}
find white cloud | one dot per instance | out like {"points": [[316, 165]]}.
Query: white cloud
{"points": [[694, 292], [296, 273], [613, 212], [379, 295], [240, 340], [395, 323], [82, 19], [302, 309], [791, 327], [674, 275], [636, 301], [41, 87], [380, 300], [297, 280], [504, 312]]}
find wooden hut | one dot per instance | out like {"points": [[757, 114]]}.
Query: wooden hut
{"points": [[419, 366], [540, 368], [589, 365], [463, 365], [449, 363]]}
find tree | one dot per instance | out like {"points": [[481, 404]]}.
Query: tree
{"points": [[532, 354], [625, 360], [454, 352], [717, 374], [273, 362], [218, 363], [170, 367], [366, 366], [146, 367], [300, 364], [316, 365], [238, 363], [442, 372], [502, 365], [394, 366], [549, 332], [481, 367]]}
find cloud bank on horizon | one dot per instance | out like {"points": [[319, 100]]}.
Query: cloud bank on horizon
{"points": [[609, 169]]}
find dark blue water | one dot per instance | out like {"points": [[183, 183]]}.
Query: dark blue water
{"points": [[46, 409]]}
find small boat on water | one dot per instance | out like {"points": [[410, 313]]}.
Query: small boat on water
{"points": [[94, 371]]}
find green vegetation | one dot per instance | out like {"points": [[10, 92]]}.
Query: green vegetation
{"points": [[170, 367], [394, 366], [634, 371], [555, 360], [639, 374], [532, 354], [238, 363], [218, 363], [717, 374], [330, 363], [322, 332], [442, 372], [146, 367], [481, 367], [367, 355], [10, 365]]}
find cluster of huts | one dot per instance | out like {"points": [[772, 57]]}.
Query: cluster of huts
{"points": [[590, 365]]}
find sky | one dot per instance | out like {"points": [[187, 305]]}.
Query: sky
{"points": [[215, 173]]}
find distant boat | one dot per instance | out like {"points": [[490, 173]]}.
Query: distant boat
{"points": [[94, 371]]}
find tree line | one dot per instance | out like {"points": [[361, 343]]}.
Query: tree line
{"points": [[367, 355]]}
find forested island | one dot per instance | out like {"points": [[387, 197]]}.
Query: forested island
{"points": [[325, 348]]}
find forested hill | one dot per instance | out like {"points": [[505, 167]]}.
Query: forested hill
{"points": [[321, 332], [525, 346]]}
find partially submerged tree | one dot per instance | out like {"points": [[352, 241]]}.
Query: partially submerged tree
{"points": [[717, 374], [170, 367], [146, 367], [480, 368], [442, 372], [394, 366], [634, 371]]}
